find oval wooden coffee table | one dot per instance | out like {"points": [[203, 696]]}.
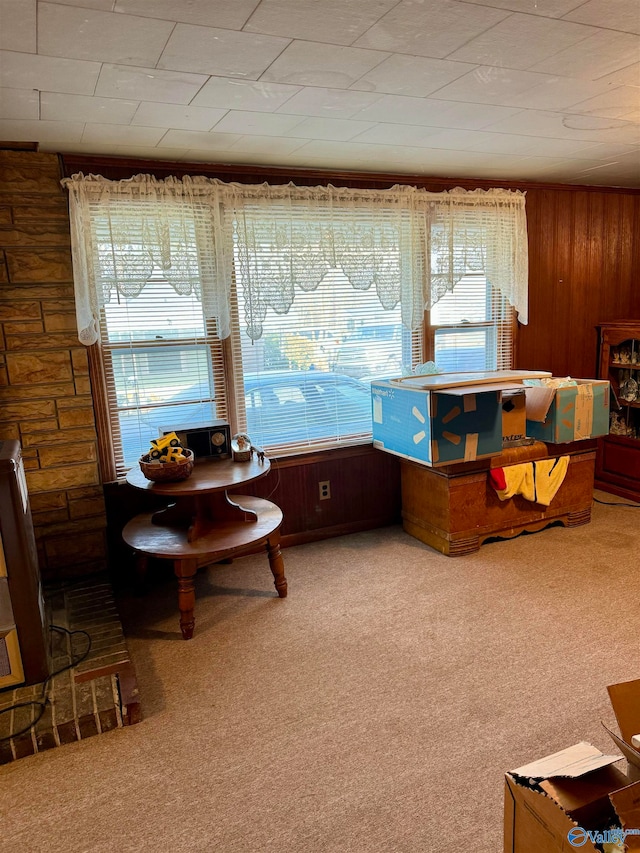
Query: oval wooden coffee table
{"points": [[206, 525]]}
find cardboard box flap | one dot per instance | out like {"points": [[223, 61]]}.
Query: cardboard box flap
{"points": [[626, 802], [586, 798], [570, 763], [480, 389], [438, 381], [630, 753], [625, 701], [539, 398]]}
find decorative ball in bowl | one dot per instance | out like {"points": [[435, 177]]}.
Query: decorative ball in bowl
{"points": [[167, 472]]}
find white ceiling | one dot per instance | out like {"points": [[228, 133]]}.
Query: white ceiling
{"points": [[542, 90]]}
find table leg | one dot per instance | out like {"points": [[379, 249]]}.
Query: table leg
{"points": [[276, 564], [185, 571]]}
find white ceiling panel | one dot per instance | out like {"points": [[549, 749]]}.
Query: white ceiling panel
{"points": [[112, 134], [411, 75], [86, 109], [90, 34], [53, 74], [332, 21], [521, 41], [429, 111], [260, 124], [602, 53], [209, 13], [19, 104], [148, 84], [18, 25], [338, 129], [332, 103], [49, 132], [243, 95], [201, 141], [315, 64], [176, 116], [430, 27], [619, 15], [511, 89], [208, 50]]}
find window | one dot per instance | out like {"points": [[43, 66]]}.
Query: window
{"points": [[273, 307], [471, 327]]}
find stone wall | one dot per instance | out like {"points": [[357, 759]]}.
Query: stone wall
{"points": [[45, 391]]}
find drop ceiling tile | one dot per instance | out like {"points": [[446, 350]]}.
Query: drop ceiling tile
{"points": [[201, 141], [243, 95], [520, 41], [148, 84], [488, 84], [533, 90], [434, 113], [411, 75], [567, 126], [176, 116], [622, 15], [505, 144], [119, 134], [89, 34], [602, 53], [430, 27], [314, 64], [334, 103], [19, 104], [258, 124], [619, 103], [208, 50], [397, 134], [268, 145], [546, 8], [628, 76], [104, 5], [47, 73], [338, 129], [208, 13], [18, 30], [148, 152], [55, 132], [332, 21], [86, 109]]}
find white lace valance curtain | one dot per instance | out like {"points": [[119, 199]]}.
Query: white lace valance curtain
{"points": [[410, 245]]}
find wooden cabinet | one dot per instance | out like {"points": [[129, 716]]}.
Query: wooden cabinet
{"points": [[618, 459]]}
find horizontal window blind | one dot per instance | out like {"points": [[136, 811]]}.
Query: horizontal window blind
{"points": [[472, 327], [163, 367], [307, 379]]}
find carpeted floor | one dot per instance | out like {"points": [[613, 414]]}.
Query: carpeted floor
{"points": [[375, 709]]}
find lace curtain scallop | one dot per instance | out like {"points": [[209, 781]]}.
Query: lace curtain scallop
{"points": [[480, 231], [287, 238], [411, 245], [123, 232]]}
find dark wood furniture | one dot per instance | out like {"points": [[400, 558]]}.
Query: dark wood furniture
{"points": [[454, 509], [618, 460], [206, 525]]}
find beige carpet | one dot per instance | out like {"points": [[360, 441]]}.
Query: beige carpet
{"points": [[375, 709]]}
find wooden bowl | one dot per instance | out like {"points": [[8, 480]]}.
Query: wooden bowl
{"points": [[167, 472]]}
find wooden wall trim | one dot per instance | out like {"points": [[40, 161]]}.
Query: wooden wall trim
{"points": [[118, 168]]}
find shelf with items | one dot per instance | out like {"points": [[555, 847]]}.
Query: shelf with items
{"points": [[618, 462]]}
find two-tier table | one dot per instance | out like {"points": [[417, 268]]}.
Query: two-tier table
{"points": [[205, 525]]}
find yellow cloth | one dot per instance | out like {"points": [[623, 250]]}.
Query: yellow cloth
{"points": [[535, 481]]}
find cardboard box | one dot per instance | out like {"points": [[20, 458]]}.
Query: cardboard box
{"points": [[625, 700], [443, 418], [514, 416], [570, 800], [561, 415]]}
